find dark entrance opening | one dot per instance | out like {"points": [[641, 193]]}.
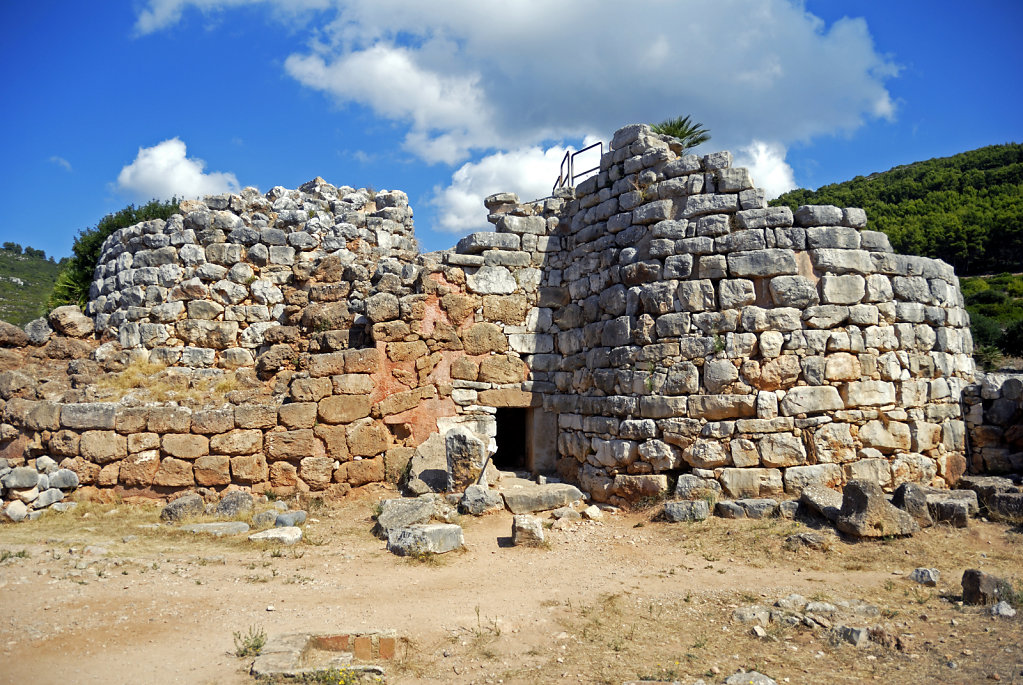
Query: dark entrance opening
{"points": [[511, 440]]}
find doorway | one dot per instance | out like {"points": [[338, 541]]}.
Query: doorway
{"points": [[512, 434]]}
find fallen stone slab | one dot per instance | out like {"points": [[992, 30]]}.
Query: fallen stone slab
{"points": [[425, 538], [953, 512], [289, 519], [183, 507], [285, 536], [218, 529], [866, 513], [1006, 506], [857, 637], [402, 513], [986, 486], [300, 654], [822, 500], [527, 499], [264, 519]]}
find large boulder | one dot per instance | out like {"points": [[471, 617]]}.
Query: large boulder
{"points": [[428, 469], [866, 513], [530, 498], [70, 321], [912, 499], [466, 455]]}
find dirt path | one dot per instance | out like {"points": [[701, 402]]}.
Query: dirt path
{"points": [[606, 601]]}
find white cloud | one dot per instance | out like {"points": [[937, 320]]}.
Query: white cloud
{"points": [[767, 165], [160, 14], [164, 171], [468, 78], [61, 162], [529, 172]]}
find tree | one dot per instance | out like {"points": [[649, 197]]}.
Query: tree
{"points": [[75, 278], [12, 247], [689, 133]]}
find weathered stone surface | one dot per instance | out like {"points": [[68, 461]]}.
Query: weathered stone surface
{"points": [[912, 499], [185, 506], [822, 500], [1006, 506], [983, 588], [212, 470], [527, 530], [70, 321], [237, 442], [429, 538], [250, 468], [286, 535], [88, 416], [866, 513], [687, 511], [185, 446], [466, 455], [811, 400], [102, 447], [479, 499], [530, 498], [798, 478], [344, 408], [174, 473]]}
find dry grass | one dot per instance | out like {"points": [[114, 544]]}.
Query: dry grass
{"points": [[153, 382]]}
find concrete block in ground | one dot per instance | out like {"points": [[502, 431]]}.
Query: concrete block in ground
{"points": [[425, 538]]}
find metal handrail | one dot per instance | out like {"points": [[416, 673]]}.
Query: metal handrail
{"points": [[568, 177]]}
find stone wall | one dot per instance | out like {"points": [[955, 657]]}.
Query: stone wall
{"points": [[994, 416], [656, 320]]}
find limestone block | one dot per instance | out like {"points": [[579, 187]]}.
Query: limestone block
{"points": [[297, 414], [706, 454], [833, 443], [212, 470], [174, 473], [868, 394], [781, 450], [101, 447], [382, 307], [249, 416], [249, 469], [294, 444], [719, 407], [185, 445], [491, 280], [501, 369], [169, 420], [736, 293], [887, 439], [344, 408], [70, 321], [818, 215], [718, 375], [799, 477], [316, 472], [811, 400], [762, 263], [138, 470], [845, 289], [872, 469], [483, 338], [696, 296], [741, 483], [367, 438], [88, 416], [361, 471], [842, 261]]}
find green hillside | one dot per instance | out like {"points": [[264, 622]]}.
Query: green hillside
{"points": [[26, 280], [966, 209]]}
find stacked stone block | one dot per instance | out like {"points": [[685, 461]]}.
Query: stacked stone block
{"points": [[706, 332], [660, 318], [994, 416]]}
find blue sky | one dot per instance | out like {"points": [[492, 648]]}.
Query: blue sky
{"points": [[116, 102]]}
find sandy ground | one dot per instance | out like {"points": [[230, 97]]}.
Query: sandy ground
{"points": [[100, 595]]}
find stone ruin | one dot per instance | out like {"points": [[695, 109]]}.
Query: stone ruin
{"points": [[656, 320]]}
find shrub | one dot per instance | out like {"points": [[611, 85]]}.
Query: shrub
{"points": [[1011, 341], [73, 282]]}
